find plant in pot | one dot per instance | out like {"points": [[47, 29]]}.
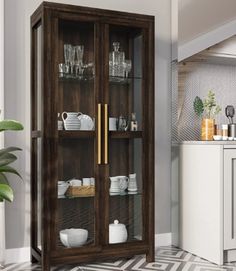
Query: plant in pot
{"points": [[6, 193], [207, 109]]}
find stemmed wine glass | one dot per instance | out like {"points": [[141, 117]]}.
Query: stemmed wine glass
{"points": [[79, 49]]}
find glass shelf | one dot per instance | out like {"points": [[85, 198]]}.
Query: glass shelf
{"points": [[75, 197], [138, 193], [76, 134], [73, 78], [122, 80]]}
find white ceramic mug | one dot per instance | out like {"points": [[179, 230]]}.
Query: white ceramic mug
{"points": [[86, 181], [75, 182], [92, 181], [112, 124]]}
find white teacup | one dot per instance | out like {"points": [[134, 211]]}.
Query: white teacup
{"points": [[86, 181], [75, 182]]}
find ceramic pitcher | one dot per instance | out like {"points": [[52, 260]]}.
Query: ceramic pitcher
{"points": [[71, 121]]}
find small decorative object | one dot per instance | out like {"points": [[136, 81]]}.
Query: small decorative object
{"points": [[117, 233], [123, 124], [209, 109], [133, 123], [73, 237]]}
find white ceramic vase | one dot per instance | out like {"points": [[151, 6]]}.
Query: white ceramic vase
{"points": [[2, 233]]}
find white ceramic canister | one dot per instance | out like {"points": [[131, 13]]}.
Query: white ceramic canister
{"points": [[117, 233]]}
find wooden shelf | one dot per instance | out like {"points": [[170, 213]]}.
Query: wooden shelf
{"points": [[126, 134], [76, 134]]}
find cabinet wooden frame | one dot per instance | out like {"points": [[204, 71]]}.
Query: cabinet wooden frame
{"points": [[48, 16]]}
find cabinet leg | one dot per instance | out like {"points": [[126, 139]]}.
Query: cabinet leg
{"points": [[150, 257], [33, 259], [46, 265]]}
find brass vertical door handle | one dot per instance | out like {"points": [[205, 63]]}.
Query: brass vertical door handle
{"points": [[105, 133], [99, 144]]}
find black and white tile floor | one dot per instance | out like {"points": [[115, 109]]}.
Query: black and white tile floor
{"points": [[167, 259]]}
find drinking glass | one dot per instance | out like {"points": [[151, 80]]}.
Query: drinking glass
{"points": [[67, 50], [79, 50], [72, 59]]}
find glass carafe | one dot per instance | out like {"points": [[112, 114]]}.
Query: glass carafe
{"points": [[116, 59]]}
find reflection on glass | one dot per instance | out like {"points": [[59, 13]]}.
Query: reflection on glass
{"points": [[125, 203], [76, 191]]}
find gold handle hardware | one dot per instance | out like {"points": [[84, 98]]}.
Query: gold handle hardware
{"points": [[99, 133], [105, 134]]}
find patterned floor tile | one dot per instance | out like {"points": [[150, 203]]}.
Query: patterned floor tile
{"points": [[167, 259]]}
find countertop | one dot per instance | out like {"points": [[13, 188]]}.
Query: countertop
{"points": [[213, 142]]}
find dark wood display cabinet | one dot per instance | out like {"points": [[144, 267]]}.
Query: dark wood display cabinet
{"points": [[97, 165]]}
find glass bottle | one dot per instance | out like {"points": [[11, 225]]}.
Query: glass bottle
{"points": [[116, 59]]}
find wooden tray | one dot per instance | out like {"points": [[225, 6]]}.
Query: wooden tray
{"points": [[81, 191]]}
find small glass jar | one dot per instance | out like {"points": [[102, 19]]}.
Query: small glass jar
{"points": [[224, 129]]}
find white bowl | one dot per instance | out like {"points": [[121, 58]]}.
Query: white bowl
{"points": [[230, 138], [61, 188], [73, 237], [217, 137]]}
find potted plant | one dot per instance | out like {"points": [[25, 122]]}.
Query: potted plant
{"points": [[207, 110], [6, 193]]}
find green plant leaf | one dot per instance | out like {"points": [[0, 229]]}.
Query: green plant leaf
{"points": [[6, 192], [198, 106], [8, 169], [7, 158], [3, 178], [9, 149], [10, 125]]}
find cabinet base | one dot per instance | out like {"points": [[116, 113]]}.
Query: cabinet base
{"points": [[229, 256]]}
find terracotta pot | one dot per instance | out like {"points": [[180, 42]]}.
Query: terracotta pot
{"points": [[207, 129]]}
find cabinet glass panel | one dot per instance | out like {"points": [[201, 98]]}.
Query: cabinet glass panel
{"points": [[76, 132], [125, 129], [125, 76], [125, 191]]}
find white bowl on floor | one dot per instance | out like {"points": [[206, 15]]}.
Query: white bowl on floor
{"points": [[73, 237]]}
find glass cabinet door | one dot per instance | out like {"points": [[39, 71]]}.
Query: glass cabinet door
{"points": [[125, 134], [75, 218]]}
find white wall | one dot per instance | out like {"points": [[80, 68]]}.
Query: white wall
{"points": [[17, 103], [197, 17]]}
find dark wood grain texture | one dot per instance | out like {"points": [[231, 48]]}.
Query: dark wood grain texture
{"points": [[68, 154]]}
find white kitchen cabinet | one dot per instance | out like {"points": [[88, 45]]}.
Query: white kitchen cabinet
{"points": [[207, 200], [229, 199]]}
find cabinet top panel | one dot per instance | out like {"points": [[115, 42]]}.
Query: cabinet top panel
{"points": [[91, 11]]}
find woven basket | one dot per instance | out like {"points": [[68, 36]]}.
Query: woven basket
{"points": [[80, 191]]}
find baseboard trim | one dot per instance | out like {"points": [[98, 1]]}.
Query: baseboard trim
{"points": [[20, 255], [163, 239], [17, 255]]}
